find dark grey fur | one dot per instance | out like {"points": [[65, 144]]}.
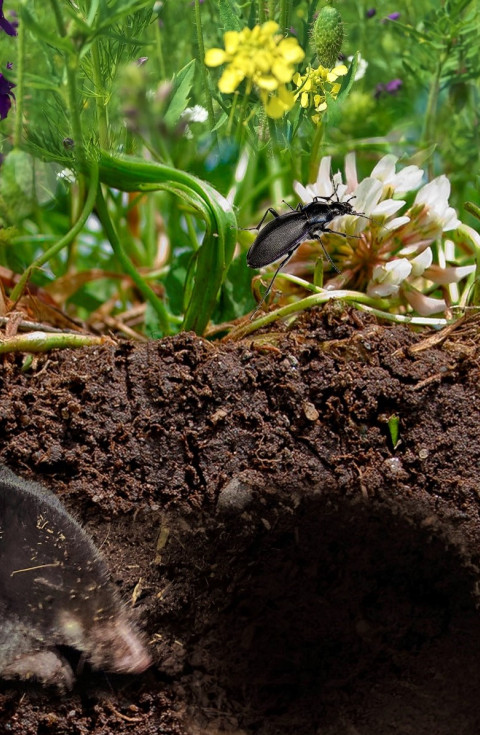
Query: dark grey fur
{"points": [[54, 591]]}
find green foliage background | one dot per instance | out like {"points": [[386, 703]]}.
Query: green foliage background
{"points": [[102, 80]]}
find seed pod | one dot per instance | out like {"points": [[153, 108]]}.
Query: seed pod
{"points": [[327, 36]]}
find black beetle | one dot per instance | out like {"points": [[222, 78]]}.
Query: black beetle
{"points": [[282, 236]]}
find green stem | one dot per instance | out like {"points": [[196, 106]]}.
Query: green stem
{"points": [[241, 117], [271, 9], [101, 107], [65, 240], [315, 154], [261, 11], [283, 15], [58, 17], [203, 71], [159, 54], [127, 265], [44, 342], [20, 88], [277, 192], [428, 133], [71, 70], [356, 298]]}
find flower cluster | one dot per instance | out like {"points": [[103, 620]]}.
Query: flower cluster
{"points": [[5, 25], [6, 94], [315, 86], [388, 253], [264, 58]]}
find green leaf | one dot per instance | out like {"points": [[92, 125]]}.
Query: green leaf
{"points": [[230, 15], [394, 429], [182, 86], [349, 78], [236, 295], [215, 254]]}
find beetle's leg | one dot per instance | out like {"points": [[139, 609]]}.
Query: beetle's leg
{"points": [[269, 287], [271, 210], [334, 232], [329, 257], [294, 209]]}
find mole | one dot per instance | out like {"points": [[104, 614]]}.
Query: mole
{"points": [[55, 591]]}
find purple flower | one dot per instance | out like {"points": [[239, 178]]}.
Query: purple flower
{"points": [[9, 65], [370, 12], [6, 96], [393, 86], [393, 16], [5, 24]]}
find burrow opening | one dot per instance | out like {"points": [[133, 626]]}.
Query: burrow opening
{"points": [[334, 618]]}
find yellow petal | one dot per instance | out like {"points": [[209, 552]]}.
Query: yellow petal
{"points": [[282, 71], [267, 82], [230, 80], [275, 108], [291, 51], [304, 99], [269, 28], [232, 40], [287, 97], [279, 105], [262, 61], [215, 57], [245, 64]]}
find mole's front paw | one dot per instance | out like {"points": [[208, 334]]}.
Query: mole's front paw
{"points": [[47, 667]]}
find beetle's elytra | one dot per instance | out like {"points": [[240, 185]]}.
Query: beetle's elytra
{"points": [[280, 237]]}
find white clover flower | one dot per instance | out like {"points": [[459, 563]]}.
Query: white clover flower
{"points": [[197, 113], [362, 66], [387, 252], [67, 175], [424, 305], [434, 196], [422, 261], [386, 278]]}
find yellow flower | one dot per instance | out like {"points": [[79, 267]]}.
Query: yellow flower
{"points": [[316, 85], [262, 56]]}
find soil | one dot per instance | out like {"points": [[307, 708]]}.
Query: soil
{"points": [[296, 567]]}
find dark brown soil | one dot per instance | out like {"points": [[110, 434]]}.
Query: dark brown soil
{"points": [[295, 573]]}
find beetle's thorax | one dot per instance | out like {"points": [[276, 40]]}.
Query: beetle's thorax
{"points": [[320, 212]]}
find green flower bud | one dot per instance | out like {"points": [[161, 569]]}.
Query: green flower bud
{"points": [[327, 36]]}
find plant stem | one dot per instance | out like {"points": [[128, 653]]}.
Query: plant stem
{"points": [[315, 154], [203, 71], [71, 67], [20, 89], [428, 133], [127, 265], [65, 240], [283, 15], [356, 298], [261, 11], [101, 107], [159, 55]]}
